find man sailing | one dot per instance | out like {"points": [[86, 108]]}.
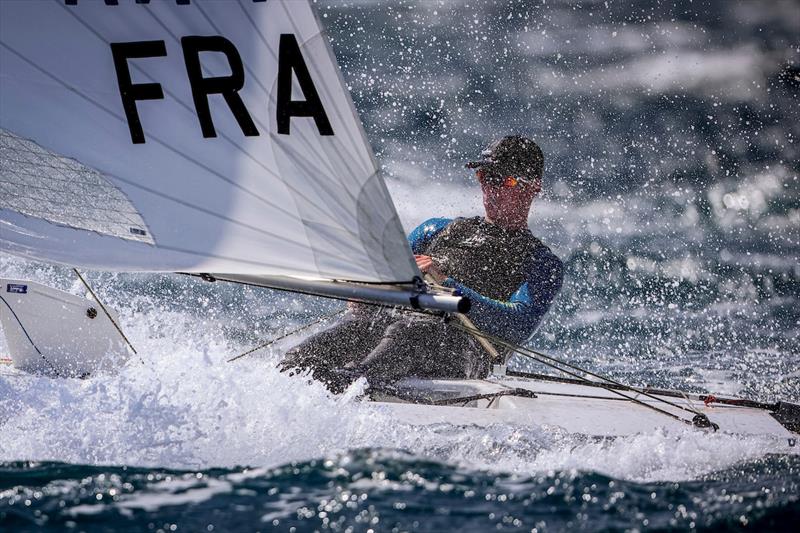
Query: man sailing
{"points": [[508, 274]]}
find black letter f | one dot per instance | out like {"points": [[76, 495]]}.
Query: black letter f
{"points": [[131, 92]]}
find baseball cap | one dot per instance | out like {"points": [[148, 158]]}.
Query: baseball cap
{"points": [[512, 155]]}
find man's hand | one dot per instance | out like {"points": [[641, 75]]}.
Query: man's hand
{"points": [[426, 264]]}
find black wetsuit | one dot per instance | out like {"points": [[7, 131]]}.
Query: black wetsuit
{"points": [[509, 275]]}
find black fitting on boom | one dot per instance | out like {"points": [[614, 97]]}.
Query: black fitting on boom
{"points": [[701, 421]]}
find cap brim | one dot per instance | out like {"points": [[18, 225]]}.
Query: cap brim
{"points": [[480, 164]]}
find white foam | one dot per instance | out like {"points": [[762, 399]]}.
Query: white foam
{"points": [[187, 408]]}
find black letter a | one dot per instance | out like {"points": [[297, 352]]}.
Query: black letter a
{"points": [[227, 86], [291, 60]]}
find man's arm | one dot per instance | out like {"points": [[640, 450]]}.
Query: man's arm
{"points": [[421, 237], [516, 319]]}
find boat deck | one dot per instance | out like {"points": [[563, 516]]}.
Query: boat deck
{"points": [[583, 409]]}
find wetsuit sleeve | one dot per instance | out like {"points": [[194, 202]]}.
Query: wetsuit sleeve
{"points": [[516, 319], [421, 237]]}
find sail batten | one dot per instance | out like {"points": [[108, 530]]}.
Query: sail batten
{"points": [[204, 168]]}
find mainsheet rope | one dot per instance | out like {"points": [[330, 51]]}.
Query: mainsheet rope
{"points": [[699, 420]]}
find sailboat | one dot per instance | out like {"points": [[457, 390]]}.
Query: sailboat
{"points": [[219, 140]]}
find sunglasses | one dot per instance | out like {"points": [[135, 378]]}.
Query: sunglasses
{"points": [[497, 180]]}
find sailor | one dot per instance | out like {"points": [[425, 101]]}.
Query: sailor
{"points": [[509, 275]]}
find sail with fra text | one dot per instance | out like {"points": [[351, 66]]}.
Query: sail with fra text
{"points": [[199, 137]]}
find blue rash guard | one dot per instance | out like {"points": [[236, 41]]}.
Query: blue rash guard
{"points": [[516, 318]]}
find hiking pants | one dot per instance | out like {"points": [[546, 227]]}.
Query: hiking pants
{"points": [[386, 346]]}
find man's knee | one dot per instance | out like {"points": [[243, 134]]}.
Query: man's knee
{"points": [[347, 341]]}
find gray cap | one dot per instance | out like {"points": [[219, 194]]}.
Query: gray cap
{"points": [[512, 155]]}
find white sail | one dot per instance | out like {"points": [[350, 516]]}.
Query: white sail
{"points": [[183, 136]]}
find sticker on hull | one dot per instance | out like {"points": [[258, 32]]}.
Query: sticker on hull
{"points": [[17, 288]]}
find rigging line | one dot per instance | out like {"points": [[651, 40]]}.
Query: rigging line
{"points": [[541, 358], [618, 384], [25, 331], [152, 136], [585, 396], [465, 321], [559, 379], [491, 396], [533, 354], [103, 307], [582, 382], [311, 60], [289, 334], [221, 133], [624, 396]]}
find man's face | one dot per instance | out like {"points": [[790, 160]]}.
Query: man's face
{"points": [[505, 202]]}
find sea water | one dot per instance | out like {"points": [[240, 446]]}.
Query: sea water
{"points": [[671, 193]]}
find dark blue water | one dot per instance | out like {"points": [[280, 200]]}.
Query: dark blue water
{"points": [[367, 490], [672, 139]]}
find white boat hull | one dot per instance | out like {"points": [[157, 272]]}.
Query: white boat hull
{"points": [[571, 408], [53, 332]]}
